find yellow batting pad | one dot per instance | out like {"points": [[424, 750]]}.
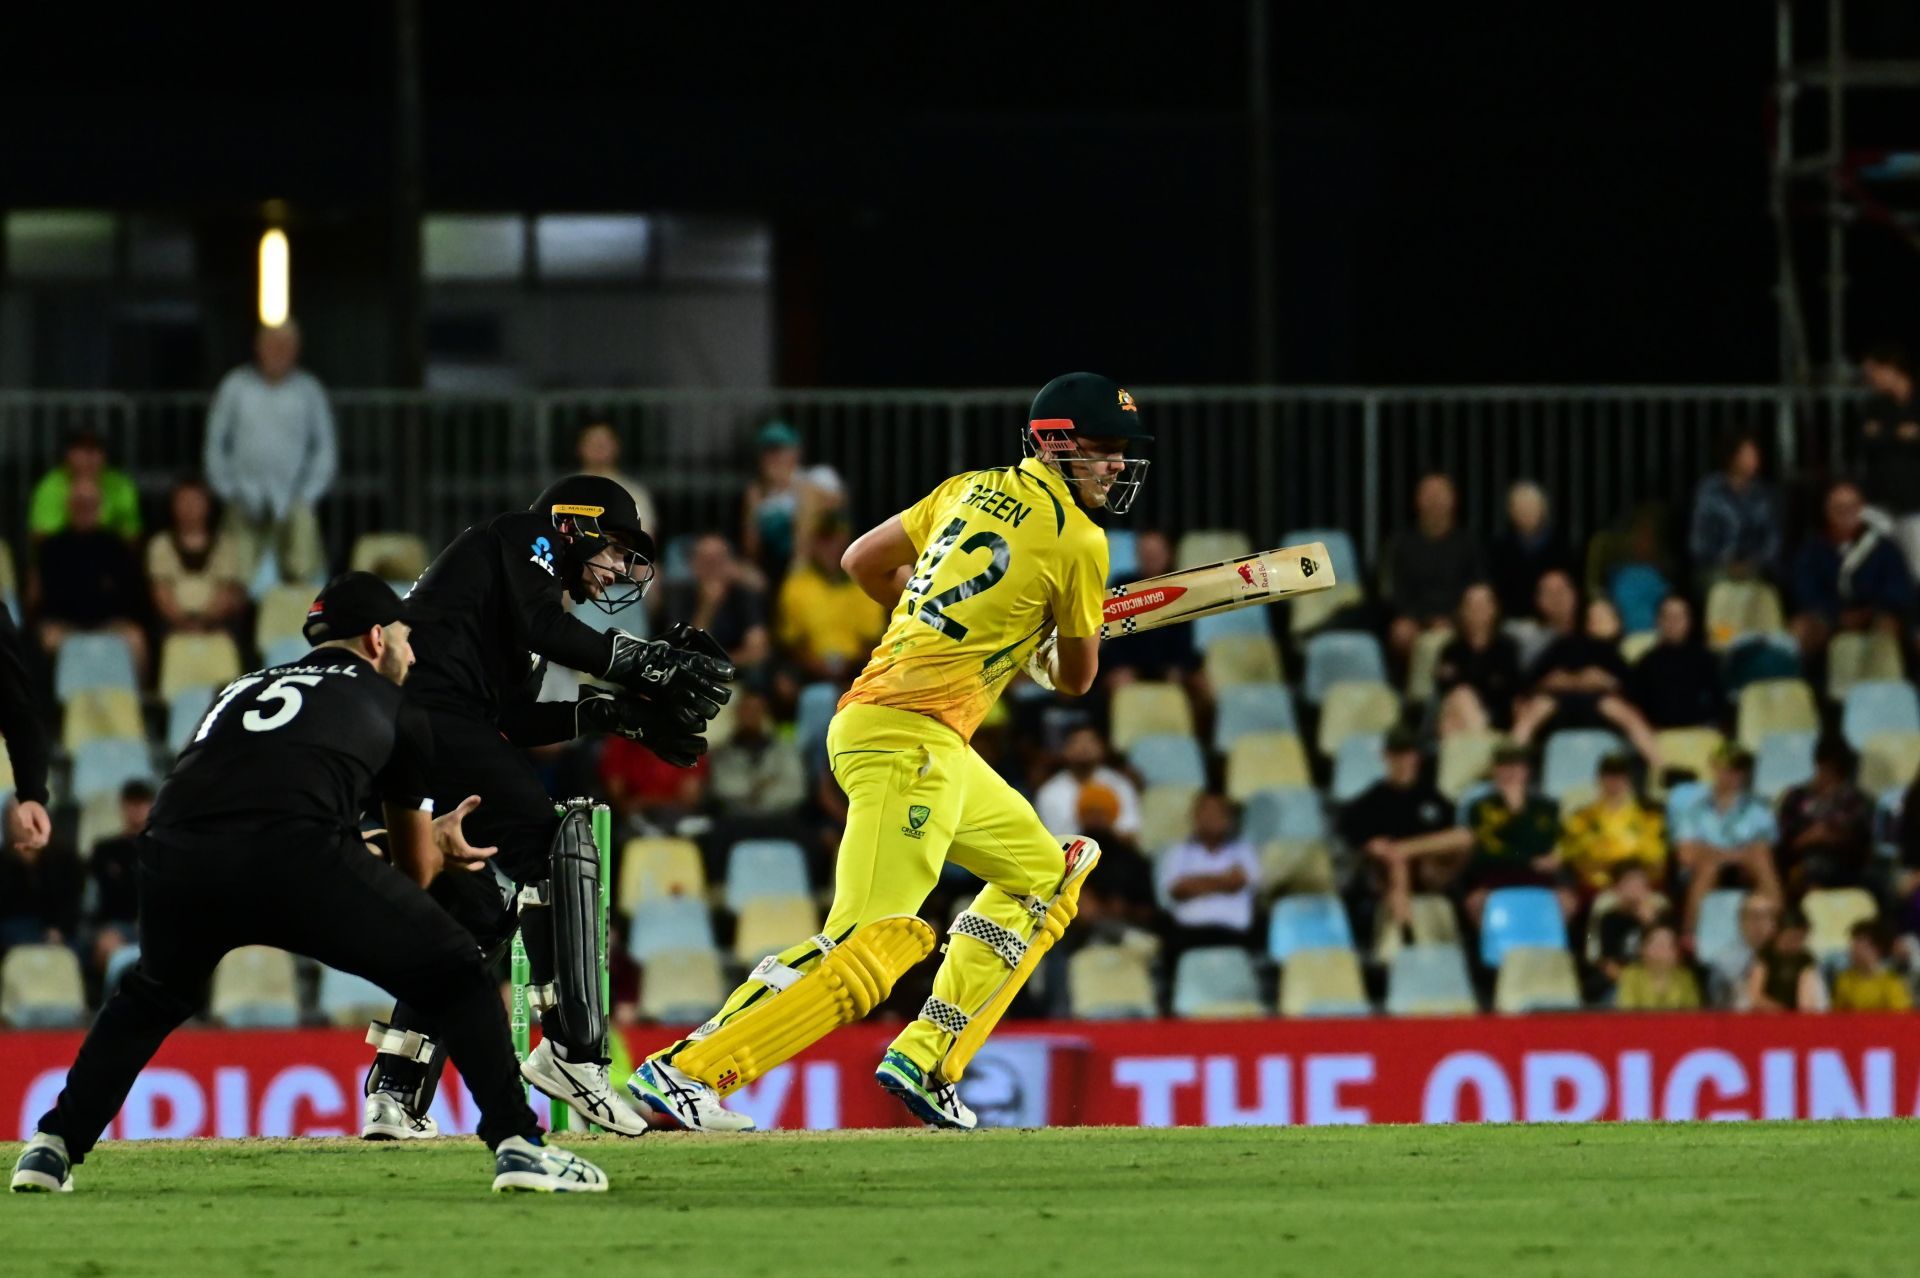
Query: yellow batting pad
{"points": [[852, 979], [1082, 855]]}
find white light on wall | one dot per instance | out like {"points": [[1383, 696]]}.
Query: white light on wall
{"points": [[274, 290]]}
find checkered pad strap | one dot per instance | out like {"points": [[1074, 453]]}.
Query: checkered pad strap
{"points": [[944, 1014], [1000, 940]]}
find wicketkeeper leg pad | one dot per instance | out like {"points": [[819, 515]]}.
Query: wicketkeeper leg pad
{"points": [[842, 984], [561, 919]]}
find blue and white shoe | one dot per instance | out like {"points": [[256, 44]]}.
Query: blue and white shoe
{"points": [[43, 1167], [520, 1166], [935, 1104], [678, 1100]]}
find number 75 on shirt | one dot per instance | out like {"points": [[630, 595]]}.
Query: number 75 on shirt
{"points": [[1262, 578]]}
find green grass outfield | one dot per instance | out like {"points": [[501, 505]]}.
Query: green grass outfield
{"points": [[1746, 1199]]}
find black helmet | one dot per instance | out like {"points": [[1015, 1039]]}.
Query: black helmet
{"points": [[1077, 406], [593, 513]]}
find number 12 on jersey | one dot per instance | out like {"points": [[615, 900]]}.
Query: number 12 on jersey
{"points": [[934, 611]]}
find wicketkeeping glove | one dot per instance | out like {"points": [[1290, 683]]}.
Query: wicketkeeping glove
{"points": [[672, 733], [671, 677]]}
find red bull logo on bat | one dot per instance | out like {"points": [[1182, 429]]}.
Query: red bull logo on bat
{"points": [[1143, 601], [1254, 573]]}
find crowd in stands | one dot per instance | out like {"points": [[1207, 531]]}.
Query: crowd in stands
{"points": [[1675, 767]]}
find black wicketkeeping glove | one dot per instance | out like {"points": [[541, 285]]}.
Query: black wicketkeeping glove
{"points": [[673, 734], [669, 676]]}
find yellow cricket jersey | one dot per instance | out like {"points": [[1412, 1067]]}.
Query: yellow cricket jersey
{"points": [[1004, 554]]}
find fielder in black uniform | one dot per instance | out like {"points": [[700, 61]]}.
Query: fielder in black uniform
{"points": [[489, 616], [254, 840], [27, 825]]}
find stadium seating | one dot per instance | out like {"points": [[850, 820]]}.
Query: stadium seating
{"points": [[811, 717], [1235, 661], [1879, 706], [1860, 657], [1353, 707], [1166, 816], [1463, 761], [1831, 914], [391, 555], [671, 923], [102, 767], [1109, 983], [759, 868], [1148, 709], [119, 963], [99, 819], [1308, 613], [769, 924], [1168, 759], [351, 1001], [1689, 749], [1216, 983], [1719, 924], [1783, 760], [1295, 865], [284, 651], [1430, 980], [1736, 608], [185, 709], [1240, 623], [1359, 762], [1422, 662], [1283, 812], [93, 661], [1123, 556], [281, 613], [681, 986], [41, 988], [1889, 761], [1635, 646], [1537, 979], [197, 661], [253, 988], [651, 869], [1307, 922], [1210, 545], [1776, 705], [1572, 759], [1253, 708], [1342, 656], [1431, 920], [1266, 761], [1342, 556], [1517, 917], [1322, 982], [102, 714]]}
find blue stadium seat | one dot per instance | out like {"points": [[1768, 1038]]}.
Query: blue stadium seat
{"points": [[1216, 981], [1253, 707], [1123, 557], [118, 965], [1241, 621], [669, 923], [346, 999], [1340, 551], [1360, 761], [811, 716], [184, 712], [1339, 656], [1520, 916], [1430, 980], [1784, 760], [678, 563], [1572, 759], [102, 767], [93, 661], [1719, 925], [1167, 759], [765, 867], [285, 651], [1291, 813], [1881, 705], [1312, 921]]}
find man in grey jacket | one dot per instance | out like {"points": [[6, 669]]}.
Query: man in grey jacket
{"points": [[270, 455]]}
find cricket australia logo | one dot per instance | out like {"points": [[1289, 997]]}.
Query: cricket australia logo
{"points": [[543, 554], [916, 817]]}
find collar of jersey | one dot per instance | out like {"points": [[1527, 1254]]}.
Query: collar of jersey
{"points": [[1048, 476]]}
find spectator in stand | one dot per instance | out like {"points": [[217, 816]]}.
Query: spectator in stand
{"points": [[596, 451], [1785, 977], [1621, 917], [756, 772], [1478, 674], [1401, 806], [1167, 653], [1579, 681], [1529, 548], [1207, 882], [1736, 520], [113, 900], [1676, 683], [1119, 903], [86, 579], [39, 895], [1613, 831], [27, 825], [1890, 444], [85, 457], [271, 456], [782, 501], [1849, 576], [1084, 753], [1658, 981], [193, 570], [1826, 825], [1727, 968], [1866, 985], [647, 793], [1726, 828], [1556, 614], [827, 625], [720, 601], [1431, 566]]}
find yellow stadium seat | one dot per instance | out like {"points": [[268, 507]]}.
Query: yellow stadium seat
{"points": [[1889, 761], [1776, 705], [1308, 613], [197, 661], [9, 581], [1423, 661], [99, 819], [1635, 646], [1109, 983], [1433, 922], [1736, 608], [282, 613], [1689, 748], [1236, 659], [1266, 761], [392, 556], [95, 714], [1211, 545], [653, 868], [681, 986], [1295, 865], [41, 988], [1322, 982], [1352, 709], [6, 772], [769, 924], [1536, 979], [1166, 816], [1858, 657], [254, 988], [1464, 760], [1575, 797], [1149, 709], [1831, 914]]}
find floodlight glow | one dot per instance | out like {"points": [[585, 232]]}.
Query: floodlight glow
{"points": [[274, 287]]}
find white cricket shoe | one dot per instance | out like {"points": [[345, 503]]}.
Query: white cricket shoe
{"points": [[43, 1167], [583, 1087], [520, 1166], [386, 1118], [677, 1099]]}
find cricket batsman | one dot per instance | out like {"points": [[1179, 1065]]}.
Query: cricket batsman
{"points": [[991, 571]]}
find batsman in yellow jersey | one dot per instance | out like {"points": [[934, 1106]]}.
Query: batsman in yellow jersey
{"points": [[991, 571]]}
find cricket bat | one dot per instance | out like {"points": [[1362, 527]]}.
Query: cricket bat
{"points": [[1171, 598]]}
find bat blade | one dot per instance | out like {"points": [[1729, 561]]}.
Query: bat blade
{"points": [[1262, 578]]}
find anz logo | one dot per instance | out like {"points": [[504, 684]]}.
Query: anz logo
{"points": [[543, 554]]}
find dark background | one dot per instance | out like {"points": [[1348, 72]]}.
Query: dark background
{"points": [[986, 193]]}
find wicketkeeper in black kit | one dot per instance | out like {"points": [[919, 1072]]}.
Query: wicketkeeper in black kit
{"points": [[254, 840], [488, 616]]}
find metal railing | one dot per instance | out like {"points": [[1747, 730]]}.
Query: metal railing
{"points": [[1264, 460]]}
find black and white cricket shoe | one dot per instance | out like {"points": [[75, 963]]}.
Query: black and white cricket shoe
{"points": [[386, 1117], [520, 1166], [584, 1088], [43, 1167]]}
